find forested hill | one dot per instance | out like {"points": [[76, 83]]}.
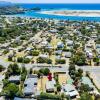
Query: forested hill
{"points": [[10, 10]]}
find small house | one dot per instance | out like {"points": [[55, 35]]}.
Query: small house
{"points": [[44, 43], [14, 79], [69, 43], [43, 56], [86, 80], [60, 45], [50, 86], [70, 90], [30, 85], [67, 54], [58, 52]]}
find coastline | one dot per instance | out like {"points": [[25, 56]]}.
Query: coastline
{"points": [[80, 13]]}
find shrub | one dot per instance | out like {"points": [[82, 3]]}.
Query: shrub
{"points": [[26, 60], [61, 61], [45, 96], [10, 90], [5, 51], [1, 68], [49, 61], [58, 87], [20, 59], [44, 71], [44, 60], [13, 69], [41, 60], [10, 58], [34, 53]]}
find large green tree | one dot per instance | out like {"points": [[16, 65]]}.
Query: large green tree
{"points": [[85, 96], [10, 90]]}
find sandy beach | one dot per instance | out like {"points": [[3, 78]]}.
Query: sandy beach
{"points": [[84, 13]]}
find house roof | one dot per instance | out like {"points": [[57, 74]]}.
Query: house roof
{"points": [[97, 45], [86, 80], [70, 81], [30, 88], [69, 42], [53, 31], [43, 55], [30, 81], [67, 54], [70, 90], [58, 51], [50, 85], [16, 98], [14, 78], [68, 87]]}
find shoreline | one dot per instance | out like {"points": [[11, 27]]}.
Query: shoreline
{"points": [[80, 13]]}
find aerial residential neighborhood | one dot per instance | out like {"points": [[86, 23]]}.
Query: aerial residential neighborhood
{"points": [[46, 59]]}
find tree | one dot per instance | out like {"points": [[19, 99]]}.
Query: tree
{"points": [[79, 59], [34, 53], [13, 69], [10, 90], [46, 71], [47, 96], [80, 72], [5, 51], [96, 60], [72, 70], [61, 61], [40, 60], [44, 60], [5, 82], [85, 96], [23, 77], [23, 74], [26, 60], [49, 39], [20, 59], [63, 96], [31, 71], [58, 87], [1, 68], [10, 58], [85, 88], [49, 61], [34, 30]]}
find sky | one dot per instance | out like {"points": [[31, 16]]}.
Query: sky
{"points": [[53, 1]]}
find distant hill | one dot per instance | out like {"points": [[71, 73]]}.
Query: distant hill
{"points": [[4, 3]]}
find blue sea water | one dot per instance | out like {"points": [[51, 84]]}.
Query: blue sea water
{"points": [[43, 7]]}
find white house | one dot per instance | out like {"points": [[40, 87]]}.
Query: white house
{"points": [[30, 85], [69, 43], [14, 79], [89, 54], [44, 43], [70, 90], [60, 45], [50, 86], [43, 56]]}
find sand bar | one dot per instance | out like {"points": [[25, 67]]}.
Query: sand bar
{"points": [[84, 13]]}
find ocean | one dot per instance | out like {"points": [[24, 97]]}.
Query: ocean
{"points": [[44, 7]]}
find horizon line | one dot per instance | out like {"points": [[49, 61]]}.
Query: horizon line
{"points": [[51, 3]]}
